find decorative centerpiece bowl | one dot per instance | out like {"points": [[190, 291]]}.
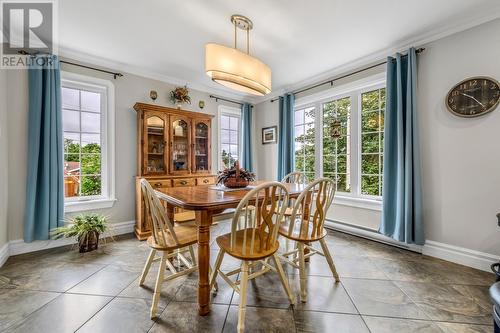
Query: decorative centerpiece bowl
{"points": [[235, 177]]}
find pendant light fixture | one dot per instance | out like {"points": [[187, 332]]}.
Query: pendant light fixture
{"points": [[236, 69]]}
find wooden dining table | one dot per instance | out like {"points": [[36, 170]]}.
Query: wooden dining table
{"points": [[207, 202]]}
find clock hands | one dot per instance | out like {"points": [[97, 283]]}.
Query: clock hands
{"points": [[472, 97]]}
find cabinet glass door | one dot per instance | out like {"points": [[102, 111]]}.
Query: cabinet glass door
{"points": [[201, 147], [180, 146], [155, 145]]}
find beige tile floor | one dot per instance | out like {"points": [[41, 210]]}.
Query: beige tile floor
{"points": [[382, 289]]}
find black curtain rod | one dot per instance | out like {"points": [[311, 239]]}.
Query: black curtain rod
{"points": [[420, 50], [227, 100], [115, 74]]}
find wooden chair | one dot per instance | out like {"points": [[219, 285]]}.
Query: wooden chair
{"points": [[253, 240], [295, 178], [306, 226], [168, 239]]}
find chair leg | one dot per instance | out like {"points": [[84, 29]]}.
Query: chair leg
{"points": [[213, 276], [283, 278], [329, 259], [147, 266], [302, 272], [243, 297], [159, 281]]}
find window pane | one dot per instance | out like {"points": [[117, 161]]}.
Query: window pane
{"points": [[329, 164], [91, 143], [299, 131], [343, 145], [299, 162], [342, 164], [309, 115], [370, 101], [233, 137], [309, 163], [91, 101], [233, 123], [370, 185], [370, 164], [299, 117], [224, 122], [343, 183], [70, 98], [91, 122], [71, 143], [224, 136], [328, 146], [370, 143], [234, 151], [91, 164], [91, 185], [71, 120], [370, 122], [71, 186]]}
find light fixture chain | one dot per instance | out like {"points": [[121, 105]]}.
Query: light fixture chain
{"points": [[235, 36]]}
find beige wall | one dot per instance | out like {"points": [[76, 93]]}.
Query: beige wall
{"points": [[128, 90], [3, 158], [460, 157]]}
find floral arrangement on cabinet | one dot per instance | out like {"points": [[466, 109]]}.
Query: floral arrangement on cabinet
{"points": [[180, 95]]}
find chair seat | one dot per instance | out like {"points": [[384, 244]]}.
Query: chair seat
{"points": [[303, 235], [186, 235], [224, 242], [186, 216]]}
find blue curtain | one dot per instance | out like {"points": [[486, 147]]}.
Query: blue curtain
{"points": [[402, 189], [285, 136], [246, 133], [45, 190]]}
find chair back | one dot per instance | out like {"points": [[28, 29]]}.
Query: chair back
{"points": [[259, 214], [160, 224], [308, 215], [295, 178]]}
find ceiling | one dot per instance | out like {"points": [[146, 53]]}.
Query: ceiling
{"points": [[299, 40]]}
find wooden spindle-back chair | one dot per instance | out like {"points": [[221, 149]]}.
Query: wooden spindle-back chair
{"points": [[306, 226], [173, 241], [254, 239], [295, 178]]}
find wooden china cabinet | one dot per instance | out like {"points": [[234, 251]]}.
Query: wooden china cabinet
{"points": [[173, 149]]}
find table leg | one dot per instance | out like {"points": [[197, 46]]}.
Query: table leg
{"points": [[203, 221]]}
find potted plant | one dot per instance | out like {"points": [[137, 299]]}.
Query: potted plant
{"points": [[86, 228], [235, 177], [180, 95]]}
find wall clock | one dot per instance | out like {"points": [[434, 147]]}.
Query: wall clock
{"points": [[474, 97]]}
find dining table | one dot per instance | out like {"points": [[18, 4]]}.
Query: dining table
{"points": [[208, 201]]}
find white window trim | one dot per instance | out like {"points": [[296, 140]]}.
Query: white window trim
{"points": [[352, 89], [229, 111], [107, 199]]}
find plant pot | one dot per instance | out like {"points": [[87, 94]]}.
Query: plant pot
{"points": [[89, 242], [236, 182]]}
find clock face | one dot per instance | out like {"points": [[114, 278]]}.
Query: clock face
{"points": [[474, 97]]}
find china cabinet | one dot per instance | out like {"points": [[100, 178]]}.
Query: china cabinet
{"points": [[173, 149]]}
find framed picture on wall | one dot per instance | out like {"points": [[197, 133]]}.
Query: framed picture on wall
{"points": [[269, 134]]}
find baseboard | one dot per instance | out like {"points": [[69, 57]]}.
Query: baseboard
{"points": [[458, 255], [4, 254], [19, 246]]}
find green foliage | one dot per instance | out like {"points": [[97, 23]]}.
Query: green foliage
{"points": [[89, 157], [82, 225], [227, 160]]}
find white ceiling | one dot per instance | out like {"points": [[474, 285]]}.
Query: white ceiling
{"points": [[299, 40]]}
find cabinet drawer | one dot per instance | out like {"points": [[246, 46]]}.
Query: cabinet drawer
{"points": [[205, 181], [160, 183], [183, 182]]}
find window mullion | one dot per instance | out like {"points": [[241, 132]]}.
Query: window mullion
{"points": [[318, 139], [356, 143]]}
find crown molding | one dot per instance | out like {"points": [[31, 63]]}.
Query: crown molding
{"points": [[420, 40], [134, 70]]}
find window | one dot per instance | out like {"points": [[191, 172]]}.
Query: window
{"points": [[229, 136], [372, 141], [305, 141], [337, 152], [354, 158], [87, 118]]}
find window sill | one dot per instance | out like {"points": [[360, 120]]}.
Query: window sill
{"points": [[364, 203], [79, 206]]}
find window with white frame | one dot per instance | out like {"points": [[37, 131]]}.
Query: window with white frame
{"points": [[304, 141], [87, 119], [353, 159], [229, 136]]}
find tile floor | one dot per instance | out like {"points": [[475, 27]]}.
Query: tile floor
{"points": [[382, 289]]}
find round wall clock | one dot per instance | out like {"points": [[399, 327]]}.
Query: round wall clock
{"points": [[474, 97]]}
